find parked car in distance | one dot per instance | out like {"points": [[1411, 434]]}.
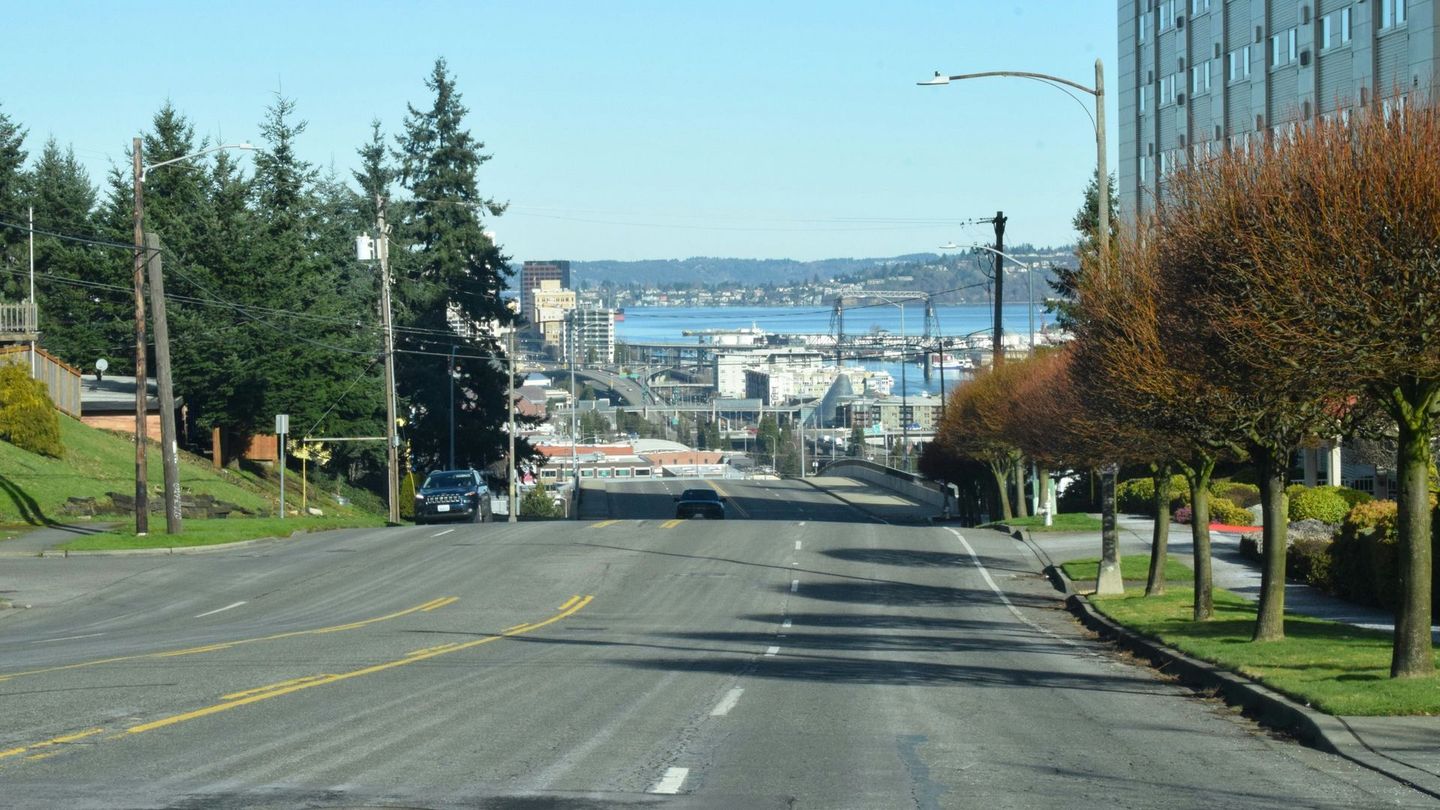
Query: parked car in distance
{"points": [[452, 495], [700, 503]]}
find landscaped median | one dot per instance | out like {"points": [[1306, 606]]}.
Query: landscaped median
{"points": [[1063, 522], [1336, 668], [214, 532]]}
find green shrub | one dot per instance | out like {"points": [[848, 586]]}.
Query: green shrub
{"points": [[1240, 494], [1364, 557], [537, 503], [1325, 504], [1223, 511], [28, 418], [1310, 561], [1137, 495], [407, 496]]}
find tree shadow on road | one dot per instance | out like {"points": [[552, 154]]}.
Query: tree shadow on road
{"points": [[906, 594]]}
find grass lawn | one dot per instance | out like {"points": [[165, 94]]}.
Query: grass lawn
{"points": [[11, 531], [1336, 668], [33, 488], [210, 532], [1132, 567], [1064, 522]]}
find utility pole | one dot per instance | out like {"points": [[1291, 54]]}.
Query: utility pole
{"points": [[34, 307], [142, 505], [169, 451], [512, 507], [451, 374], [392, 443], [998, 349]]}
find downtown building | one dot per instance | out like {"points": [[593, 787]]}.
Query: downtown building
{"points": [[1198, 76], [532, 274]]}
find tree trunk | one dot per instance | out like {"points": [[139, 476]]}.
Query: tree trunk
{"points": [[1021, 509], [1413, 654], [1270, 619], [1160, 537], [1002, 484], [1109, 580], [1198, 476]]}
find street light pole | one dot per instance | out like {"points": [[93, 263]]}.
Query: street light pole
{"points": [[1109, 579], [169, 451]]}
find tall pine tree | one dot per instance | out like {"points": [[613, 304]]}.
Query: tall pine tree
{"points": [[448, 275]]}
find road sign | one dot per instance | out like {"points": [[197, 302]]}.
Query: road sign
{"points": [[282, 424]]}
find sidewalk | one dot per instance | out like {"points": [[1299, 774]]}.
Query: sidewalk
{"points": [[878, 502], [34, 543], [1405, 748]]}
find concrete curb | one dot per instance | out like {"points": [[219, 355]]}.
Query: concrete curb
{"points": [[161, 552], [1316, 729]]}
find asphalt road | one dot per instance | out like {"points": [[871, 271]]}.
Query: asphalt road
{"points": [[804, 657]]}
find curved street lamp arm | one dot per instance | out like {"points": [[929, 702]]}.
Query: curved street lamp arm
{"points": [[1021, 74], [146, 169]]}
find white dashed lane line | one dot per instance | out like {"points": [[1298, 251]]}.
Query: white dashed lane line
{"points": [[672, 780], [770, 651], [219, 610], [727, 703]]}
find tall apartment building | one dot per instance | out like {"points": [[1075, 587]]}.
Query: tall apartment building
{"points": [[593, 332], [1201, 75], [531, 274]]}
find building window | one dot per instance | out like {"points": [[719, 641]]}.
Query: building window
{"points": [[1141, 165], [1283, 48], [1143, 92], [1143, 26], [1239, 64], [1197, 6], [1167, 14], [1200, 79], [1335, 30], [1392, 13]]}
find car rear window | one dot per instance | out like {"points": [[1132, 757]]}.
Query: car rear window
{"points": [[456, 479], [700, 495]]}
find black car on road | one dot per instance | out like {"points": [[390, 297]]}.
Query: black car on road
{"points": [[700, 503], [452, 495]]}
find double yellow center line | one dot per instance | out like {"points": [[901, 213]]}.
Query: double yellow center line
{"points": [[424, 607], [247, 697]]}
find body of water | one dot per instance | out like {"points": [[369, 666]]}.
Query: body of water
{"points": [[668, 325]]}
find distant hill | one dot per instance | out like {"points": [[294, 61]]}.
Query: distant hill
{"points": [[703, 270]]}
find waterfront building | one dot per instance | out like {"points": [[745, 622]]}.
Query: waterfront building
{"points": [[883, 416], [1198, 76], [531, 276]]}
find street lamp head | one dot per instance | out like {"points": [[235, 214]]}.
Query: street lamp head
{"points": [[245, 145], [937, 79], [948, 246]]}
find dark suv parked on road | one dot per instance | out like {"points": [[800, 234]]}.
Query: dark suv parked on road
{"points": [[452, 495], [700, 503]]}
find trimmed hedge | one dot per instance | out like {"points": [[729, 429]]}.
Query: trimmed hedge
{"points": [[28, 418], [1365, 563], [1240, 494], [1223, 511], [1324, 504], [1137, 495]]}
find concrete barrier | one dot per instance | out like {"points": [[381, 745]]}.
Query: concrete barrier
{"points": [[908, 485]]}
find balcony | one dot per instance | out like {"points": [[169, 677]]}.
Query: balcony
{"points": [[17, 322]]}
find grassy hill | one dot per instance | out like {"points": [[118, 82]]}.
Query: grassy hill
{"points": [[34, 488]]}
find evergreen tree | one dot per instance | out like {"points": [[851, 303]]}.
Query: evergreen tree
{"points": [[12, 209], [448, 275], [81, 321], [1065, 280]]}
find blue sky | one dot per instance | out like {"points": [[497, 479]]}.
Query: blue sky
{"points": [[625, 130]]}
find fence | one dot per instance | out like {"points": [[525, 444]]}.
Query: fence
{"points": [[62, 379], [18, 318]]}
